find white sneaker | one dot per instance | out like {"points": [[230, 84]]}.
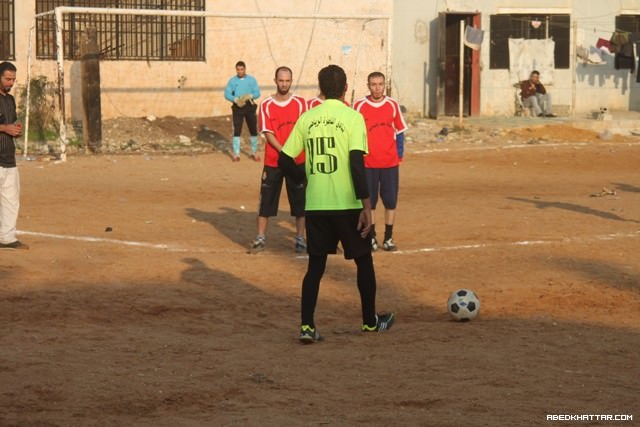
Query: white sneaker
{"points": [[389, 245]]}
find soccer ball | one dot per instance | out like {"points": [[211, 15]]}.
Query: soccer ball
{"points": [[463, 305]]}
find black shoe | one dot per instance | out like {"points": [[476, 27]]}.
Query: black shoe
{"points": [[384, 321], [14, 245], [309, 335], [550, 115]]}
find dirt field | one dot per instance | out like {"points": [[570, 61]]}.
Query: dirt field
{"points": [[167, 321]]}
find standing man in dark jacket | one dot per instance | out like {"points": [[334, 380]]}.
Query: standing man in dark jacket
{"points": [[9, 177]]}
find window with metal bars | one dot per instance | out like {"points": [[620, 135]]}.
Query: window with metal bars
{"points": [[125, 37], [630, 23], [7, 30], [527, 26]]}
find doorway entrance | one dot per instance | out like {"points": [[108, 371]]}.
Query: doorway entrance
{"points": [[449, 66]]}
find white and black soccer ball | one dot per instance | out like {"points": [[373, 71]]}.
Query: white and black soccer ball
{"points": [[463, 305]]}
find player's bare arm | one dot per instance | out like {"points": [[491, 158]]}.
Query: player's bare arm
{"points": [[364, 223]]}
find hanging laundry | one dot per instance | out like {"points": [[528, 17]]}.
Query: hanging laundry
{"points": [[595, 56], [604, 44], [620, 42], [473, 37], [621, 45], [589, 56], [582, 53], [635, 39], [623, 62]]}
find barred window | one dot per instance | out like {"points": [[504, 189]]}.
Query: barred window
{"points": [[125, 37], [630, 23], [506, 26], [7, 30]]}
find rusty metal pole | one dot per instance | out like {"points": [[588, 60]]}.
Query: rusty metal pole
{"points": [[90, 84]]}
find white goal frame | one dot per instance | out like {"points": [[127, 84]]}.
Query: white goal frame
{"points": [[60, 11]]}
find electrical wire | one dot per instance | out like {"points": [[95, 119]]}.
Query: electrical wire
{"points": [[306, 51], [266, 35]]}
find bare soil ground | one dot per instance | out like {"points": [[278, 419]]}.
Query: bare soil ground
{"points": [[166, 320]]}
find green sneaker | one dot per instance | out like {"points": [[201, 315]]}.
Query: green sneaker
{"points": [[309, 335], [384, 321]]}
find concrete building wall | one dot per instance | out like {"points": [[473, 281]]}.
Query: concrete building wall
{"points": [[595, 86], [138, 88]]}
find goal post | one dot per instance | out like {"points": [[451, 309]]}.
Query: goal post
{"points": [[59, 13]]}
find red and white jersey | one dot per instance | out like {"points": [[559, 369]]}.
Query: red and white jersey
{"points": [[278, 118], [315, 101], [383, 120]]}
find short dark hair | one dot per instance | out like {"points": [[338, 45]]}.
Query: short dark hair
{"points": [[283, 68], [7, 66], [374, 75], [536, 72], [332, 81], [241, 64]]}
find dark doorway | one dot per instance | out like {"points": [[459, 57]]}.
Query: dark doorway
{"points": [[449, 59]]}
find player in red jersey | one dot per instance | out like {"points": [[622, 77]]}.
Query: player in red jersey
{"points": [[317, 100], [278, 114], [385, 133]]}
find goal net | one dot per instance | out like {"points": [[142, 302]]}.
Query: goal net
{"points": [[177, 63]]}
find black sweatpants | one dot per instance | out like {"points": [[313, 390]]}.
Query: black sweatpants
{"points": [[246, 113], [366, 286]]}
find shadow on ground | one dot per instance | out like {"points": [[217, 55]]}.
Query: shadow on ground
{"points": [[539, 204], [239, 226]]}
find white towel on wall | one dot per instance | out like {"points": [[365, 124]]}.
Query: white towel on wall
{"points": [[526, 55]]}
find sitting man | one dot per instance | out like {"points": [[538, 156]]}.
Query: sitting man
{"points": [[535, 96]]}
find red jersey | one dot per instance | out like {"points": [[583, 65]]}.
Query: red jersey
{"points": [[315, 101], [278, 118], [383, 120]]}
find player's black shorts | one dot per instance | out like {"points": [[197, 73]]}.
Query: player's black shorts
{"points": [[386, 182], [324, 230], [270, 189]]}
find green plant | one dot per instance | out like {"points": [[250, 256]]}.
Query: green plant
{"points": [[42, 108]]}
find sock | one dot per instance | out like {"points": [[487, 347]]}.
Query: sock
{"points": [[367, 288], [372, 233], [388, 231], [254, 144], [311, 287], [236, 145]]}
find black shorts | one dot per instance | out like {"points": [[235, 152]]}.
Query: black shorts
{"points": [[386, 182], [270, 190], [325, 230]]}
